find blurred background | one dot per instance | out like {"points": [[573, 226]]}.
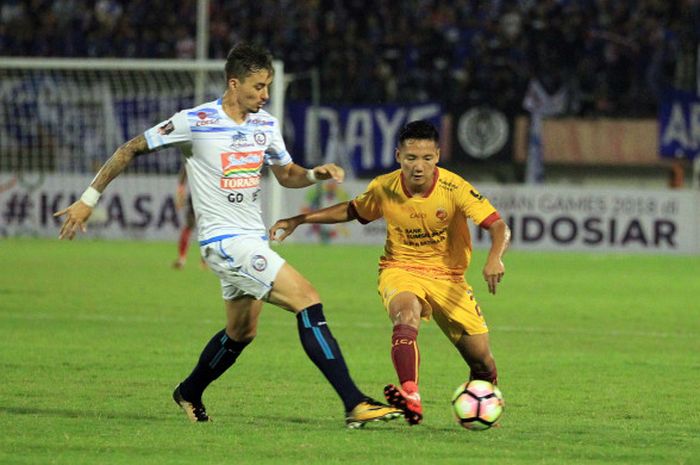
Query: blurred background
{"points": [[560, 93]]}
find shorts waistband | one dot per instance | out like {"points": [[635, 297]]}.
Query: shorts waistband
{"points": [[225, 236]]}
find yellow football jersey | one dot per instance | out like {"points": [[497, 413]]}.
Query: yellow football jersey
{"points": [[426, 233]]}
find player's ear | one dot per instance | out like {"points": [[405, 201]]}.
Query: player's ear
{"points": [[233, 83], [396, 155]]}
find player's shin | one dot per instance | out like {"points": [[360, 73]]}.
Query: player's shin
{"points": [[322, 348], [486, 374], [219, 354]]}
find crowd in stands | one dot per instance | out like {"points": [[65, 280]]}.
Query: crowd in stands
{"points": [[614, 56]]}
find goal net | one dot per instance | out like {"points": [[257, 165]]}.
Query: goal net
{"points": [[60, 119], [68, 116]]}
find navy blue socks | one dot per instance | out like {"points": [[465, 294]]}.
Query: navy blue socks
{"points": [[322, 348], [217, 357]]}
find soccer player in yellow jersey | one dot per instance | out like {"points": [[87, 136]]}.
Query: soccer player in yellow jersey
{"points": [[427, 252]]}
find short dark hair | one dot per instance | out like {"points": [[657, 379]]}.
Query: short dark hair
{"points": [[245, 59], [421, 129]]}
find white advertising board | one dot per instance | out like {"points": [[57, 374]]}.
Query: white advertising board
{"points": [[541, 218], [594, 219], [132, 207], [545, 218]]}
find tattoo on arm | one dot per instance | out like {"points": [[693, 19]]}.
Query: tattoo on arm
{"points": [[119, 161]]}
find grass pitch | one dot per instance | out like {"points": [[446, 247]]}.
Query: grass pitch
{"points": [[598, 362]]}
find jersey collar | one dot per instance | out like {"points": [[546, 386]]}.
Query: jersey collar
{"points": [[408, 194], [223, 114]]}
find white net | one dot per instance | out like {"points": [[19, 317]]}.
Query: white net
{"points": [[71, 119], [60, 120]]}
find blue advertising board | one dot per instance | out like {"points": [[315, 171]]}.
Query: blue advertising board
{"points": [[679, 125], [360, 137]]}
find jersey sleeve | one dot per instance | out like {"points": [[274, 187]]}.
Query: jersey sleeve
{"points": [[367, 206], [276, 153], [476, 206], [171, 132]]}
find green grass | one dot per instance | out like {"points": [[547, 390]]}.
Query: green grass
{"points": [[598, 361]]}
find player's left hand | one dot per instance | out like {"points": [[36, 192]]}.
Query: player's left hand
{"points": [[493, 273], [329, 171]]}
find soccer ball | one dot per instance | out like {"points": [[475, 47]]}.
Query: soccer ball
{"points": [[477, 405]]}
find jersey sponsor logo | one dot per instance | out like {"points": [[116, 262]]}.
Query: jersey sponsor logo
{"points": [[258, 262], [415, 215], [206, 122], [447, 185], [236, 163], [441, 214], [476, 194], [166, 129], [207, 113], [245, 182], [241, 170], [260, 122], [207, 116], [240, 140], [417, 237]]}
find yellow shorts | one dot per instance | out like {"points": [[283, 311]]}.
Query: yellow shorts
{"points": [[452, 304]]}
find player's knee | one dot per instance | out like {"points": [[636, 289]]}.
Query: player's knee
{"points": [[407, 316], [305, 296], [405, 309], [312, 296], [292, 291]]}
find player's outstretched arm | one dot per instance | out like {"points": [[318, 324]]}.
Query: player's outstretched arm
{"points": [[494, 268], [78, 213], [338, 213], [295, 176]]}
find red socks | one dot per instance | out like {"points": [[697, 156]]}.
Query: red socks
{"points": [[405, 355], [184, 242]]}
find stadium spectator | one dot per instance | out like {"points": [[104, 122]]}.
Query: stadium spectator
{"points": [[227, 141], [427, 251], [617, 55]]}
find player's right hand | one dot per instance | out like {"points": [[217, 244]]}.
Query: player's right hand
{"points": [[76, 218], [330, 171], [286, 224]]}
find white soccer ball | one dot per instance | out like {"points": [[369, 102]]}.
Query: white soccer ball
{"points": [[477, 405]]}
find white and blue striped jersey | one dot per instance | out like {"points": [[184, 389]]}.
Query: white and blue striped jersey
{"points": [[224, 160]]}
